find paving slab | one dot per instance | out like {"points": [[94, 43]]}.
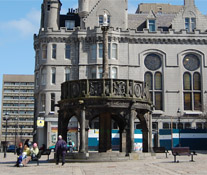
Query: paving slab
{"points": [[158, 166]]}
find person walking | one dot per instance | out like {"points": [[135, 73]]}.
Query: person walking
{"points": [[60, 149]]}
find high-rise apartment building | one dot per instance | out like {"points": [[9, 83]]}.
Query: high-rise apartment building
{"points": [[17, 114]]}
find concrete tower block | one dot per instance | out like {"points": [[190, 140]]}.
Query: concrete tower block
{"points": [[52, 14], [83, 7], [189, 3]]}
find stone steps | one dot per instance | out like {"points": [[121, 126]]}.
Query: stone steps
{"points": [[107, 157]]}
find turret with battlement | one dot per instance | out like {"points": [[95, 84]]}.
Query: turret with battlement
{"points": [[50, 14], [189, 2], [83, 7]]}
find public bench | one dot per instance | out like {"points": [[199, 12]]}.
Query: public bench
{"points": [[36, 159], [160, 150], [182, 151], [46, 152]]}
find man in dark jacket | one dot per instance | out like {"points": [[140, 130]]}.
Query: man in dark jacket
{"points": [[60, 151]]}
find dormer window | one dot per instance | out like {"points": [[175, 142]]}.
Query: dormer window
{"points": [[190, 24], [151, 25], [100, 20], [69, 24]]}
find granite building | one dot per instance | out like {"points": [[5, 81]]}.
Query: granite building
{"points": [[161, 44]]}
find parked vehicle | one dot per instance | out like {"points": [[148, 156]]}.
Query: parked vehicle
{"points": [[11, 148], [53, 148]]}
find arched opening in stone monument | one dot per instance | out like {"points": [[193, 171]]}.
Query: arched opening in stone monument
{"points": [[93, 134], [73, 133]]}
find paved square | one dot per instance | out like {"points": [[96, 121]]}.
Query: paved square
{"points": [[158, 166]]}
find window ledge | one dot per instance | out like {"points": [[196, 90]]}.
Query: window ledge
{"points": [[192, 112], [157, 112]]}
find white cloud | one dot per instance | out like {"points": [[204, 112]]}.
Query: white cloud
{"points": [[26, 26]]}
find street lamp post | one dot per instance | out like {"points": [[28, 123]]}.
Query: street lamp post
{"points": [[5, 144], [15, 149], [179, 113], [21, 133]]}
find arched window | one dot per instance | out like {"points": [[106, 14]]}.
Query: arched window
{"points": [[153, 78], [155, 88], [196, 81], [192, 83], [148, 79], [187, 81], [158, 81]]}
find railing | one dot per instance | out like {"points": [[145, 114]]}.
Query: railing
{"points": [[104, 88]]}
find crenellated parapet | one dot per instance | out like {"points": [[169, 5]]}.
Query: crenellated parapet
{"points": [[130, 36]]}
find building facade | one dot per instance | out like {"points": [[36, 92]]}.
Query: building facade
{"points": [[164, 46], [17, 108]]}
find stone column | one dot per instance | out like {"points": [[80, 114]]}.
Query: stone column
{"points": [[131, 129], [105, 51], [123, 141], [82, 132], [150, 132], [105, 132]]}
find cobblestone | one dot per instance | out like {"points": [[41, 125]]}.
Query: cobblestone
{"points": [[158, 166]]}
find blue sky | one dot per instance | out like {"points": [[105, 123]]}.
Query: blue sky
{"points": [[20, 19]]}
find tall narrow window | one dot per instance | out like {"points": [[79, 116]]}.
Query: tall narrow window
{"points": [[67, 51], [192, 83], [154, 79], [196, 81], [152, 27], [44, 51], [43, 102], [100, 50], [93, 72], [193, 24], [100, 19], [187, 81], [187, 24], [148, 80], [53, 75], [54, 51], [100, 72], [43, 76], [52, 102], [109, 51], [93, 51], [114, 51], [114, 72], [158, 81], [67, 74]]}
